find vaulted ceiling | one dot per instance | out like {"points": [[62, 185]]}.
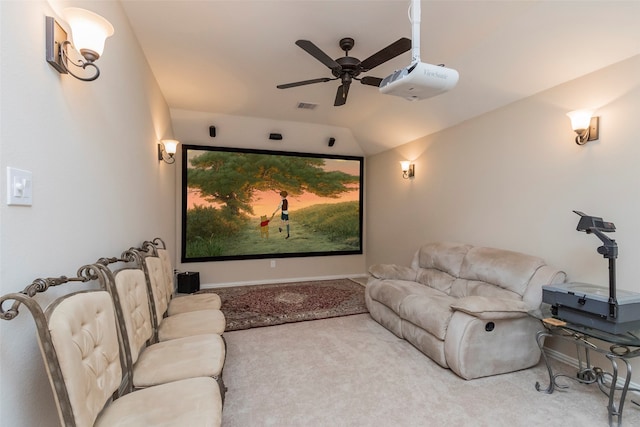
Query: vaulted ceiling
{"points": [[227, 57]]}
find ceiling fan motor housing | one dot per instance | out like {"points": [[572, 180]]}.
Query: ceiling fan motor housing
{"points": [[349, 65]]}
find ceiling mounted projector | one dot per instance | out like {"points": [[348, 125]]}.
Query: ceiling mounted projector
{"points": [[419, 80]]}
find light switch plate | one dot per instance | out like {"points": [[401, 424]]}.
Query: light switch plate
{"points": [[19, 187]]}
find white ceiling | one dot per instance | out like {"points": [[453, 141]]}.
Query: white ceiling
{"points": [[227, 57]]}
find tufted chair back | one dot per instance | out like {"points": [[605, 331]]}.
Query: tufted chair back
{"points": [[131, 287], [158, 287], [84, 338], [167, 268]]}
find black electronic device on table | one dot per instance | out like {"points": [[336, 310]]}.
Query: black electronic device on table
{"points": [[592, 306], [188, 282]]}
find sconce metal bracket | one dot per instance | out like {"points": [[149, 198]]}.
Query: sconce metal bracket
{"points": [[591, 134], [409, 173], [163, 155], [56, 36], [594, 129]]}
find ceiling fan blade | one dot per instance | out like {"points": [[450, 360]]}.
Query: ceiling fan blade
{"points": [[371, 81], [304, 82], [394, 49], [341, 95], [317, 53]]}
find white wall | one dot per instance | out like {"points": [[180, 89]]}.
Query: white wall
{"points": [[192, 127], [511, 179], [98, 187]]}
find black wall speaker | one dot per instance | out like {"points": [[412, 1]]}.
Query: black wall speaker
{"points": [[275, 136], [332, 141], [212, 131]]}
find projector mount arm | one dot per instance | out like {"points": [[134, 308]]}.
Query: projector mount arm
{"points": [[609, 250]]}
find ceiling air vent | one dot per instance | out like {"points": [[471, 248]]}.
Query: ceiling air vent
{"points": [[307, 106]]}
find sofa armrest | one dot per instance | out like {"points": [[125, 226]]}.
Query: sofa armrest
{"points": [[393, 271], [491, 308]]}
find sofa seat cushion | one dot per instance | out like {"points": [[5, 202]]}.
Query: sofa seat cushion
{"points": [[463, 288], [491, 308], [392, 271], [392, 292], [430, 311]]}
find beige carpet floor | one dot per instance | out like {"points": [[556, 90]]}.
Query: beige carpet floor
{"points": [[350, 371]]}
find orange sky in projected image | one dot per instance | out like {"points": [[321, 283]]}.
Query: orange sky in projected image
{"points": [[265, 202]]}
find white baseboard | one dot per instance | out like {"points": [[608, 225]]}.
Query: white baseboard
{"points": [[291, 280], [573, 362]]}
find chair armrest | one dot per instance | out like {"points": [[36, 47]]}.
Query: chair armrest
{"points": [[393, 271], [491, 308]]}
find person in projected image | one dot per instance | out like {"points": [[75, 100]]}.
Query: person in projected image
{"points": [[284, 216]]}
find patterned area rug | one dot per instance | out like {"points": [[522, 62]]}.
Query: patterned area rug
{"points": [[266, 305]]}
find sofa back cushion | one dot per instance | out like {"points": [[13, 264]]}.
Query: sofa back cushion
{"points": [[438, 264], [443, 256], [462, 270], [509, 270], [435, 279]]}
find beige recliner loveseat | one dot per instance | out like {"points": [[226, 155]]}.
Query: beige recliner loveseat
{"points": [[470, 309]]}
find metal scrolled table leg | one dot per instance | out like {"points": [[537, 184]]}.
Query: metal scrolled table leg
{"points": [[540, 340], [611, 406]]}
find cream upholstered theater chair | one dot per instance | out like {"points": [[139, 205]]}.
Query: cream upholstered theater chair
{"points": [[79, 342], [175, 317], [182, 324], [184, 303], [149, 365], [84, 337]]}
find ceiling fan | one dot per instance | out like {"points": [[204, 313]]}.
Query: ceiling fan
{"points": [[348, 68]]}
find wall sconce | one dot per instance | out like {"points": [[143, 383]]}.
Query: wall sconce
{"points": [[167, 149], [408, 169], [88, 32], [584, 125]]}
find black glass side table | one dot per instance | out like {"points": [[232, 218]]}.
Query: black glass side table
{"points": [[621, 348]]}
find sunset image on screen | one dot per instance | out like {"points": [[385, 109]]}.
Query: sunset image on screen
{"points": [[234, 204]]}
